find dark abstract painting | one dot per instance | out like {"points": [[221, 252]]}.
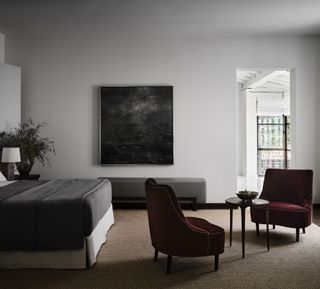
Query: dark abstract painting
{"points": [[137, 125]]}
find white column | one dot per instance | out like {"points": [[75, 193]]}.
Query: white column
{"points": [[251, 140]]}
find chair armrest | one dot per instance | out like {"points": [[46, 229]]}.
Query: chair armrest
{"points": [[308, 202]]}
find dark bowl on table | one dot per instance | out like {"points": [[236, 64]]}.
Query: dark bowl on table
{"points": [[247, 195]]}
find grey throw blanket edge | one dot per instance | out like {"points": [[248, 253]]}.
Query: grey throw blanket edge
{"points": [[47, 206]]}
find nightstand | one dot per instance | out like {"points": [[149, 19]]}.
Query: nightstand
{"points": [[29, 177]]}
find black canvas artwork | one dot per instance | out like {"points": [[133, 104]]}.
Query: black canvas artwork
{"points": [[137, 125]]}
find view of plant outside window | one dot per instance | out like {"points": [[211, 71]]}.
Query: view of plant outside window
{"points": [[273, 142]]}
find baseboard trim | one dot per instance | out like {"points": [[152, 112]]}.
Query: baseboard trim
{"points": [[142, 206], [185, 206], [129, 206]]}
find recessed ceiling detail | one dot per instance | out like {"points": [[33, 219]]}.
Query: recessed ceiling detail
{"points": [[264, 81]]}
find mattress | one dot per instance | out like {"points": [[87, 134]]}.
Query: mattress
{"points": [[51, 215], [96, 218], [82, 258]]}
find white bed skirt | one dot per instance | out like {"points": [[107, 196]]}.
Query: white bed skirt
{"points": [[63, 259]]}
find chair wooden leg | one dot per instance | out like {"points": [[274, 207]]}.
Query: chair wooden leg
{"points": [[297, 234], [155, 255], [216, 262], [257, 229], [169, 259], [304, 230]]}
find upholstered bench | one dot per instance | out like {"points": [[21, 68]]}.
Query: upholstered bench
{"points": [[186, 189]]}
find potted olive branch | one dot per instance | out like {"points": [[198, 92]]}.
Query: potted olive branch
{"points": [[32, 146]]}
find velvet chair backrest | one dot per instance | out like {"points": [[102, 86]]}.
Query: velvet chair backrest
{"points": [[164, 213], [293, 186]]}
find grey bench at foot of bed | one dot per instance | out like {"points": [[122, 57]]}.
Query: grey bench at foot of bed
{"points": [[132, 189]]}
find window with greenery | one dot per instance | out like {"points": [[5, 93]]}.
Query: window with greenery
{"points": [[273, 142]]}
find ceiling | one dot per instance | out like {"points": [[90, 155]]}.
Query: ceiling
{"points": [[264, 80], [177, 17], [270, 87]]}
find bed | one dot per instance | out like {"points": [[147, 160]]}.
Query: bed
{"points": [[53, 224]]}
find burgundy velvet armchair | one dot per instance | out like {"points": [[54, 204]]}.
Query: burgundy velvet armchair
{"points": [[176, 235], [290, 196]]}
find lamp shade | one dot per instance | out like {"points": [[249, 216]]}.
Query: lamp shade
{"points": [[10, 155]]}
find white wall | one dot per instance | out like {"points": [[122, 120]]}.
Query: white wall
{"points": [[10, 96], [62, 74], [2, 47], [10, 91], [317, 132]]}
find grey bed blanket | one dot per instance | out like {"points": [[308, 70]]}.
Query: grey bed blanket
{"points": [[51, 215]]}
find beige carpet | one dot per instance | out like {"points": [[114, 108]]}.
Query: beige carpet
{"points": [[126, 260]]}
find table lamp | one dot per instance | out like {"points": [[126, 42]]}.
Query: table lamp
{"points": [[11, 156]]}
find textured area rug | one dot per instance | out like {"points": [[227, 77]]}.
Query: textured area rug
{"points": [[126, 260]]}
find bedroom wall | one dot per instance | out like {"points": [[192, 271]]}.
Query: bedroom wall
{"points": [[2, 39], [10, 91], [61, 75], [10, 96], [317, 132]]}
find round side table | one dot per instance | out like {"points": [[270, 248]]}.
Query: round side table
{"points": [[243, 204]]}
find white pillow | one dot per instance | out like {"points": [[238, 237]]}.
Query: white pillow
{"points": [[2, 177]]}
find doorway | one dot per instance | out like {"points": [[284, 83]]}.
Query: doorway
{"points": [[263, 124]]}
